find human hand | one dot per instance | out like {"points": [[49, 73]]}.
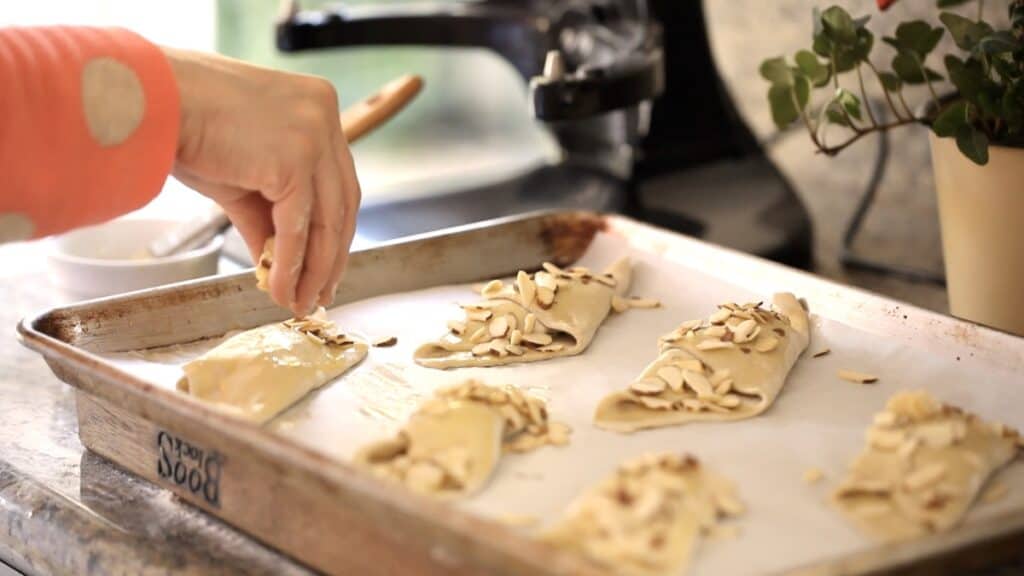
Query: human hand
{"points": [[268, 147]]}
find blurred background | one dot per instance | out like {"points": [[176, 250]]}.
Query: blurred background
{"points": [[472, 124]]}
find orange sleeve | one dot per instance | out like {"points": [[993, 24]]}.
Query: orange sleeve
{"points": [[52, 168]]}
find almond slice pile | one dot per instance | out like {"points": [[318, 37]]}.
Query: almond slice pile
{"points": [[648, 516], [922, 468]]}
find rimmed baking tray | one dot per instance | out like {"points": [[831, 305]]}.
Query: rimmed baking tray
{"points": [[288, 483]]}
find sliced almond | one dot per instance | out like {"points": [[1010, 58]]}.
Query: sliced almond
{"points": [[479, 335], [672, 376], [706, 345], [515, 337], [885, 439], [872, 509], [691, 364], [924, 476], [744, 331], [457, 327], [499, 347], [698, 383], [720, 316], [529, 323], [545, 296], [552, 269], [619, 305], [545, 280], [481, 349], [424, 477], [607, 280], [385, 342], [648, 386], [558, 433], [821, 353], [857, 377], [729, 401], [527, 289], [478, 315], [644, 303], [723, 387], [492, 288], [714, 331], [498, 327], [885, 419], [693, 405], [515, 350], [655, 403], [766, 344], [813, 475], [537, 338]]}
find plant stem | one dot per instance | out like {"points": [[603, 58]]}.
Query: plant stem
{"points": [[888, 98], [833, 150], [864, 97], [905, 107], [803, 116], [927, 80]]}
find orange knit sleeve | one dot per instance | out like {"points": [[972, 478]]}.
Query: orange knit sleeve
{"points": [[88, 125]]}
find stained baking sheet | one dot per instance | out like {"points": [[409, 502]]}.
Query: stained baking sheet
{"points": [[818, 421]]}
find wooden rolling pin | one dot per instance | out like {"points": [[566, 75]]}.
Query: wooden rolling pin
{"points": [[357, 121]]}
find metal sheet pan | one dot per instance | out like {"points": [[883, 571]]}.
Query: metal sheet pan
{"points": [[407, 289]]}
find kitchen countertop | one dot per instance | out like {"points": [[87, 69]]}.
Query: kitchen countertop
{"points": [[65, 510]]}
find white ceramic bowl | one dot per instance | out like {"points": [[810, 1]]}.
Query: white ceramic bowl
{"points": [[108, 259]]}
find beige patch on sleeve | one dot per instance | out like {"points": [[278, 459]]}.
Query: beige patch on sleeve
{"points": [[112, 99], [15, 227]]}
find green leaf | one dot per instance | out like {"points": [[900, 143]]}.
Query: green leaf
{"points": [[835, 115], [952, 3], [909, 71], [802, 88], [966, 32], [839, 26], [784, 111], [890, 82], [973, 143], [776, 71], [1013, 106], [997, 43], [916, 36], [815, 71], [968, 77], [849, 101], [951, 119]]}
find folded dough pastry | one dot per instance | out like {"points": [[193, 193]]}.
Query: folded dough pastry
{"points": [[545, 315], [646, 518], [923, 466], [260, 372], [452, 444], [729, 366]]}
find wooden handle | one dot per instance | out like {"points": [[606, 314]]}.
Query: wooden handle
{"points": [[361, 118]]}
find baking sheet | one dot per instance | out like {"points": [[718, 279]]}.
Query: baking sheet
{"points": [[818, 420]]}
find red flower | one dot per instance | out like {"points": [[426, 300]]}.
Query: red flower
{"points": [[884, 4]]}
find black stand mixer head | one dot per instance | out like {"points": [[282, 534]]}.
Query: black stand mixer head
{"points": [[629, 90]]}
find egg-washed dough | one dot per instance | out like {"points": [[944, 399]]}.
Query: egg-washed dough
{"points": [[646, 518], [452, 444], [260, 372], [545, 315], [729, 366], [924, 464]]}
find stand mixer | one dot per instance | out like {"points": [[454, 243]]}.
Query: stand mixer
{"points": [[628, 89]]}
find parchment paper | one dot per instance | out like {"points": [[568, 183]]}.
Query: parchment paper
{"points": [[817, 421]]}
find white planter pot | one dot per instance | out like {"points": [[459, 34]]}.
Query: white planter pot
{"points": [[981, 211]]}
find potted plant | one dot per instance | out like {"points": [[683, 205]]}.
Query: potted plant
{"points": [[976, 137]]}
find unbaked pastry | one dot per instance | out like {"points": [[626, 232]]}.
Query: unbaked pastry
{"points": [[924, 464], [545, 315], [729, 366], [646, 518], [452, 444], [260, 372]]}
